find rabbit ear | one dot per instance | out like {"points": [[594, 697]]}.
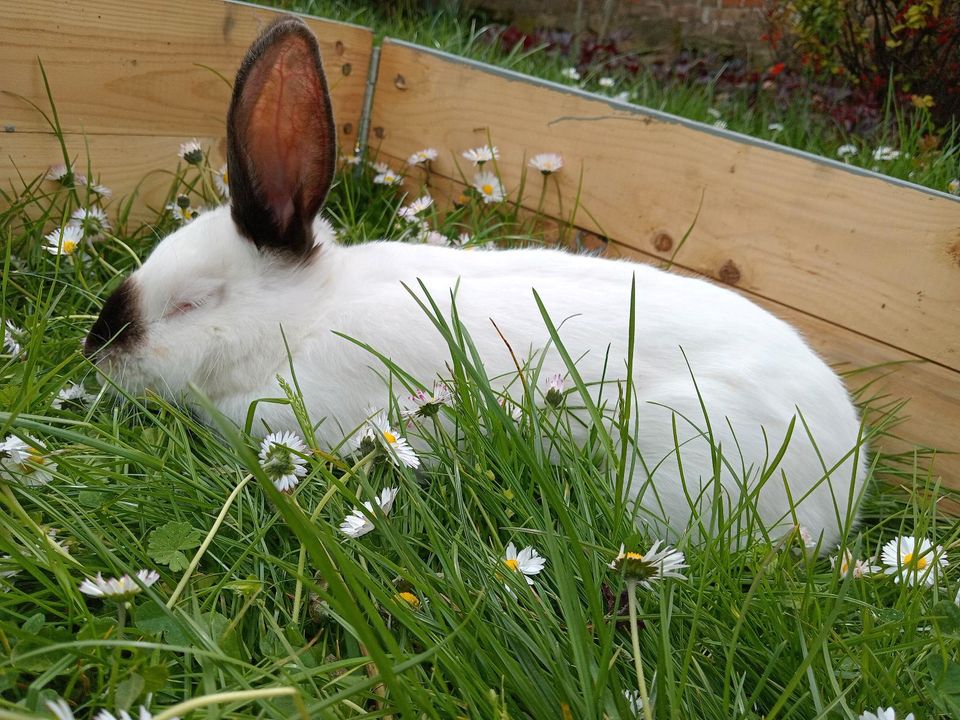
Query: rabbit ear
{"points": [[281, 139]]}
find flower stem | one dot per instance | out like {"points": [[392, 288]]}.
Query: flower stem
{"points": [[635, 638], [236, 696]]}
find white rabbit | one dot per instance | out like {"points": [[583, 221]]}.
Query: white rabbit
{"points": [[207, 308]]}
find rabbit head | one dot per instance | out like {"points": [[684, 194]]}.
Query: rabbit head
{"points": [[197, 309]]}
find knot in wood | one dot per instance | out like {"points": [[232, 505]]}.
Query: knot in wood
{"points": [[400, 82], [346, 68], [347, 128], [662, 242], [729, 273], [338, 46], [379, 132]]}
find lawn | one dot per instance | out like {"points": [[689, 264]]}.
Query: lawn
{"points": [[477, 581]]}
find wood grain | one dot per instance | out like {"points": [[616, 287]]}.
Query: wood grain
{"points": [[151, 68], [856, 250], [925, 396]]}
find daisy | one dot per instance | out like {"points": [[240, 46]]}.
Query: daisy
{"points": [[222, 181], [410, 212], [64, 240], [775, 127], [380, 167], [606, 82], [398, 449], [92, 221], [122, 588], [356, 524], [528, 562], [388, 177], [479, 155], [953, 187], [516, 414], [281, 457], [182, 211], [428, 404], [634, 701], [489, 186], [191, 152], [59, 173], [546, 163], [720, 124], [351, 159], [432, 237], [845, 151], [655, 564], [555, 388], [409, 598], [622, 96], [913, 560], [422, 157], [714, 113], [31, 466], [10, 335], [73, 393], [858, 568], [570, 73], [124, 715], [101, 190], [885, 152], [881, 714], [464, 238], [805, 537], [60, 709]]}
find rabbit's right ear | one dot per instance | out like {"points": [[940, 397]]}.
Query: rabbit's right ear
{"points": [[281, 139]]}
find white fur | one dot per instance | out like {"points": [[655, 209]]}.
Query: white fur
{"points": [[753, 371]]}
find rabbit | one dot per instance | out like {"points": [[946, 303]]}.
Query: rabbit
{"points": [[226, 302]]}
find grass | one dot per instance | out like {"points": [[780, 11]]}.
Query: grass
{"points": [[264, 610], [928, 155]]}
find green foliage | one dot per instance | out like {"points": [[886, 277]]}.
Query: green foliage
{"points": [[168, 542]]}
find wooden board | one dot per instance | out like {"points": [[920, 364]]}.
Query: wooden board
{"points": [[134, 80], [925, 396], [855, 249]]}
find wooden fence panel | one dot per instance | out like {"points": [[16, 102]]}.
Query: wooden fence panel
{"points": [[867, 268], [146, 70], [855, 249]]}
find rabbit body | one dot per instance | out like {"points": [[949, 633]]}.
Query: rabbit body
{"points": [[227, 302]]}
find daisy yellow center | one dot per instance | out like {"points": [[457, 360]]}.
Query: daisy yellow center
{"points": [[69, 246], [512, 564], [34, 458], [632, 556], [389, 437], [487, 189], [225, 178], [920, 563], [410, 599]]}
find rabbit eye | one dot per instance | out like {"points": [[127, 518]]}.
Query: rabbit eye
{"points": [[181, 308]]}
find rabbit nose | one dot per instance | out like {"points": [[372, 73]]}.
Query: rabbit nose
{"points": [[118, 323]]}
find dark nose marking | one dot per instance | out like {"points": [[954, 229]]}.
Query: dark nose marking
{"points": [[119, 322]]}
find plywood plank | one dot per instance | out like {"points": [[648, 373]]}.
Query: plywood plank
{"points": [[855, 249], [151, 68], [124, 163], [928, 393]]}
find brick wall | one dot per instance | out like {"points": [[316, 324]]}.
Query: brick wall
{"points": [[649, 24]]}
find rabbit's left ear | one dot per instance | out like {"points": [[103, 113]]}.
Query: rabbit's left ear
{"points": [[281, 139]]}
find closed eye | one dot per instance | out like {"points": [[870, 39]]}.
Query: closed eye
{"points": [[182, 307]]}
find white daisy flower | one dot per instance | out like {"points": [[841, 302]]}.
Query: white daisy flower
{"points": [[516, 414], [29, 465], [464, 238], [884, 152], [634, 701], [64, 240], [422, 157], [410, 212], [953, 187], [122, 588], [913, 560], [428, 404], [182, 211], [622, 96], [101, 190], [720, 124], [714, 113], [5, 574], [857, 567], [847, 150], [432, 237], [191, 152], [379, 167], [354, 159], [528, 562], [655, 564], [606, 82], [489, 186], [546, 163], [570, 73], [389, 177], [61, 546], [356, 524], [11, 334], [58, 173], [555, 388], [73, 393], [881, 714], [221, 181], [124, 715], [92, 221], [60, 709], [398, 449], [281, 459], [775, 127], [479, 155], [805, 537]]}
